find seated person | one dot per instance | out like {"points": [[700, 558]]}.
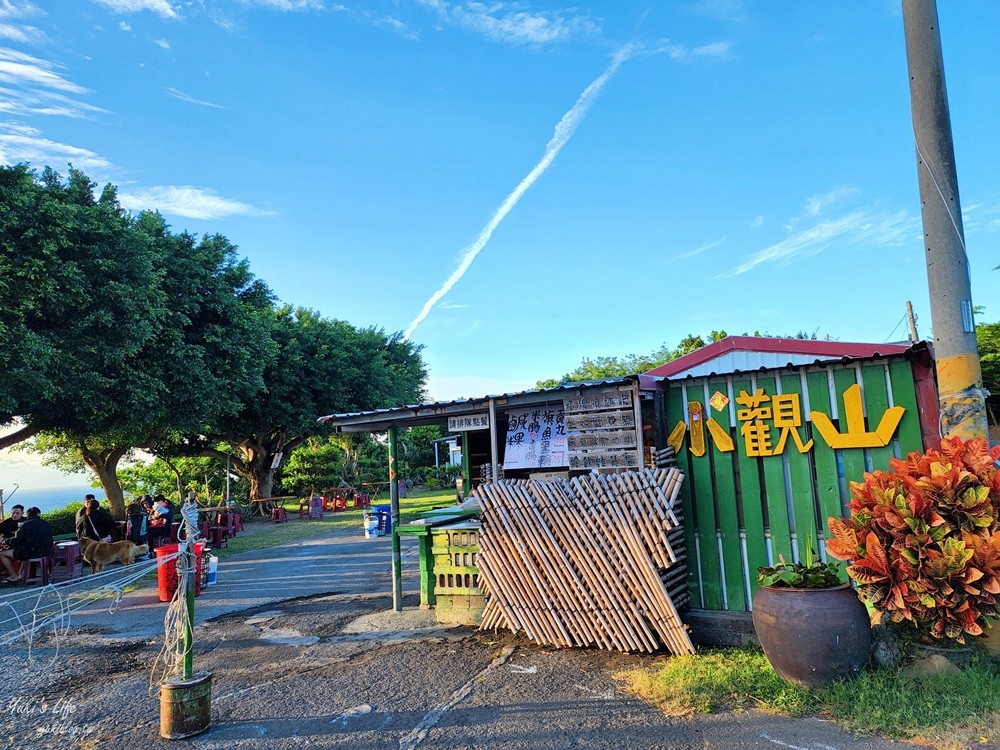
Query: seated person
{"points": [[9, 526], [161, 516], [33, 539], [94, 522]]}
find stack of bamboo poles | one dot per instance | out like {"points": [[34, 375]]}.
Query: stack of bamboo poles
{"points": [[578, 562]]}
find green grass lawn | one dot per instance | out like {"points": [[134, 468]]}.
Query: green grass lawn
{"points": [[266, 534], [949, 713]]}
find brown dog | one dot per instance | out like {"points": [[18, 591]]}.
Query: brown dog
{"points": [[99, 554]]}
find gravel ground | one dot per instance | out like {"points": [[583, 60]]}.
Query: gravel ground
{"points": [[334, 667]]}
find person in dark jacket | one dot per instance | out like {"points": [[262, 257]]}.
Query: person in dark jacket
{"points": [[33, 539], [9, 526], [94, 522], [137, 513]]}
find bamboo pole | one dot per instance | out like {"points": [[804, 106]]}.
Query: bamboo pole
{"points": [[561, 519], [537, 596]]}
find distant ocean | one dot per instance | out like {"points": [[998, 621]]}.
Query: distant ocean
{"points": [[49, 498]]}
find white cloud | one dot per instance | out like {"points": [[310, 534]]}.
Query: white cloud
{"points": [[190, 99], [454, 306], [49, 103], [187, 201], [680, 52], [865, 226], [162, 43], [816, 203], [510, 23], [159, 7], [757, 221], [21, 34], [981, 218], [23, 9], [287, 5], [702, 249], [124, 26], [19, 128], [16, 148], [20, 68]]}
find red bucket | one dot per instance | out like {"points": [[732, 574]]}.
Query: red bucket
{"points": [[166, 570]]}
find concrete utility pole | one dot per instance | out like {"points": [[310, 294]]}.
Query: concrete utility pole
{"points": [[960, 379], [913, 322]]}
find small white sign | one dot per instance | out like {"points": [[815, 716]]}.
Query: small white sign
{"points": [[469, 422], [277, 460]]}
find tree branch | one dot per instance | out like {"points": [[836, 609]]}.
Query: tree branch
{"points": [[19, 436]]}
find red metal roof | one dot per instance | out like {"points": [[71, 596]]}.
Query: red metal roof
{"points": [[821, 349]]}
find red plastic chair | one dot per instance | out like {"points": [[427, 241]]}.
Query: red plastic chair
{"points": [[315, 507]]}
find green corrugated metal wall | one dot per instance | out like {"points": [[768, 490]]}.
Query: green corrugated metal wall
{"points": [[741, 511]]}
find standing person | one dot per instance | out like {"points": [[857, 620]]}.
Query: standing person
{"points": [[9, 526], [94, 522], [136, 513], [33, 539]]}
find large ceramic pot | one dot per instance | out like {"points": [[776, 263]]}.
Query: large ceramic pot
{"points": [[813, 637]]}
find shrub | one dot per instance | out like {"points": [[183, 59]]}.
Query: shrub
{"points": [[63, 519], [924, 538]]}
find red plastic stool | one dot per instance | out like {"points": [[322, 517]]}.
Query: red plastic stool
{"points": [[67, 562], [41, 565], [278, 515], [219, 537]]}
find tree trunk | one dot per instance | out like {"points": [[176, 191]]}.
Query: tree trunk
{"points": [[106, 468]]}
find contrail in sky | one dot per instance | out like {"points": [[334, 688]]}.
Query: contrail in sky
{"points": [[560, 137]]}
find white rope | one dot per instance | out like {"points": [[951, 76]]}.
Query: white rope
{"points": [[170, 661]]}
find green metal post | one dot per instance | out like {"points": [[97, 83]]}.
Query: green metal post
{"points": [[466, 466], [397, 573]]}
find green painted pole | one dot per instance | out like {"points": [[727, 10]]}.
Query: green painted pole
{"points": [[397, 573], [466, 466]]}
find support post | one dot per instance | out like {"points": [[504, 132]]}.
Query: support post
{"points": [[960, 386], [397, 573], [189, 619], [494, 452], [466, 465]]}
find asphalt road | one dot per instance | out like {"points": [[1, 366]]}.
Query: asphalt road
{"points": [[305, 652]]}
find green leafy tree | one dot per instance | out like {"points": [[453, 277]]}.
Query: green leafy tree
{"points": [[78, 305], [315, 465], [201, 356], [988, 342], [317, 367]]}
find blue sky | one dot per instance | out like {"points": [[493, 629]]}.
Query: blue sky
{"points": [[616, 175]]}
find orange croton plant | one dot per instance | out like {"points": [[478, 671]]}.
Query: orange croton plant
{"points": [[924, 539]]}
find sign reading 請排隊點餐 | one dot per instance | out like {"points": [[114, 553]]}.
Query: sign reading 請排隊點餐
{"points": [[469, 422], [769, 423]]}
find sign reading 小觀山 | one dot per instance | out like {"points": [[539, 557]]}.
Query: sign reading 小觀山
{"points": [[536, 438]]}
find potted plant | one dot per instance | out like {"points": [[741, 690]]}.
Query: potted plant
{"points": [[924, 541], [813, 628]]}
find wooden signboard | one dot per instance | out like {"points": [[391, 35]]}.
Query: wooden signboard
{"points": [[602, 431]]}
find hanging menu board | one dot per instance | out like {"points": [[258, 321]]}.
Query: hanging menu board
{"points": [[536, 438], [602, 431]]}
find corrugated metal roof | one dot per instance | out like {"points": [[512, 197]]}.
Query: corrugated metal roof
{"points": [[748, 353], [433, 411], [708, 370]]}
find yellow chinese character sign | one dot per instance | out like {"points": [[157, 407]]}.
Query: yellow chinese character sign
{"points": [[767, 421]]}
